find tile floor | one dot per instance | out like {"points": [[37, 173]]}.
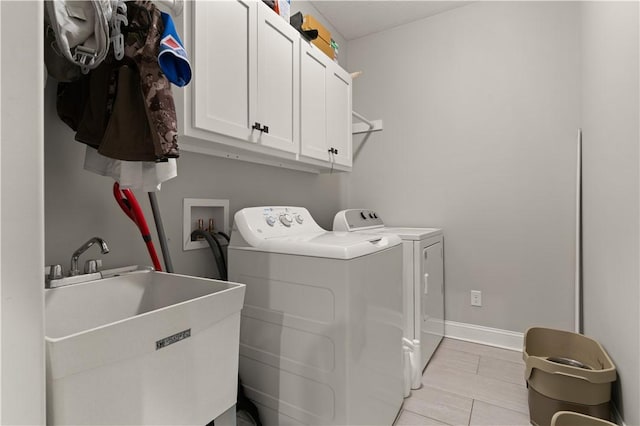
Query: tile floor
{"points": [[469, 384]]}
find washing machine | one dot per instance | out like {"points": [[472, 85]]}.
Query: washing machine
{"points": [[423, 275], [321, 325]]}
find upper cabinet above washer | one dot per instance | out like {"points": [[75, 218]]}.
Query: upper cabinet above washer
{"points": [[278, 74], [325, 92], [244, 101]]}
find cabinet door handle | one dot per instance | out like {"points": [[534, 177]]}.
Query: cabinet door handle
{"points": [[259, 127]]}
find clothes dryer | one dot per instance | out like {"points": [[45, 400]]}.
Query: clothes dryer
{"points": [[321, 327], [422, 275]]}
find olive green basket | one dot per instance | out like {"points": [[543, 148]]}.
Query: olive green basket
{"points": [[578, 380], [569, 418]]}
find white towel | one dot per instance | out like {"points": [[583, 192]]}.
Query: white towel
{"points": [[144, 175]]}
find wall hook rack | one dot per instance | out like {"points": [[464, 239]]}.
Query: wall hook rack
{"points": [[365, 126]]}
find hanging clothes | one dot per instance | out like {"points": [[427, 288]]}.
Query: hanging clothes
{"points": [[81, 33], [156, 89], [125, 108], [172, 58], [146, 176]]}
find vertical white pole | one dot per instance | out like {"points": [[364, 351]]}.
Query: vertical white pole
{"points": [[0, 219], [578, 272]]}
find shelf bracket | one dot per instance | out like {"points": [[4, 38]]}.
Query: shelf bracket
{"points": [[365, 126]]}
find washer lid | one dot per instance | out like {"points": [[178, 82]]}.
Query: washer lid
{"points": [[410, 233], [334, 245]]}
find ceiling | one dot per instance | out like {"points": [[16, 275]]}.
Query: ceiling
{"points": [[358, 18]]}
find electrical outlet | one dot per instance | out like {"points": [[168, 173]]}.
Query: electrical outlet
{"points": [[476, 298]]}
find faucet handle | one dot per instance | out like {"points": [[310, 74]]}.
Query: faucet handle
{"points": [[93, 265], [55, 272]]}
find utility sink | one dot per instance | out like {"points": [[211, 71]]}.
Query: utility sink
{"points": [[142, 347]]}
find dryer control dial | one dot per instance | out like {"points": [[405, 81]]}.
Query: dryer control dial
{"points": [[299, 218], [270, 220], [286, 219]]}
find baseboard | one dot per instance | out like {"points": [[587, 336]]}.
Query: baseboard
{"points": [[496, 337]]}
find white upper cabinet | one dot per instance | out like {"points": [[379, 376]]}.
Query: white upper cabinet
{"points": [[339, 135], [325, 116], [313, 115], [245, 100], [224, 61], [278, 63]]}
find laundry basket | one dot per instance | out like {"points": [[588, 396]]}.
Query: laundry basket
{"points": [[569, 418], [566, 372]]}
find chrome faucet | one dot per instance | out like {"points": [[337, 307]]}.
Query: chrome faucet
{"points": [[76, 254]]}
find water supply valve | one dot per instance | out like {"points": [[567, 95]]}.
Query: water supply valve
{"points": [[93, 265]]}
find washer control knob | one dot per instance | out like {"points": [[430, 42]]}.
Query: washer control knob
{"points": [[364, 216], [371, 215], [299, 218], [375, 215], [286, 219], [270, 220]]}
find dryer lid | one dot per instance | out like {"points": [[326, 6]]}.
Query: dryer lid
{"points": [[364, 220], [410, 233]]}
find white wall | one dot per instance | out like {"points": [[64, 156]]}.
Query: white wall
{"points": [[481, 108], [22, 394], [611, 190], [79, 204]]}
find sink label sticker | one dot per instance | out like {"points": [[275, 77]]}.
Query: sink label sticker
{"points": [[163, 343]]}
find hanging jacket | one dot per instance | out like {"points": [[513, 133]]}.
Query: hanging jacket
{"points": [[156, 89], [126, 107]]}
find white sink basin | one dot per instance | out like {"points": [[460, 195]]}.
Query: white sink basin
{"points": [[144, 347]]}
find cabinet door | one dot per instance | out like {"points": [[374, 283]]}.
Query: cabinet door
{"points": [[224, 86], [339, 113], [278, 79], [313, 103], [432, 309]]}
